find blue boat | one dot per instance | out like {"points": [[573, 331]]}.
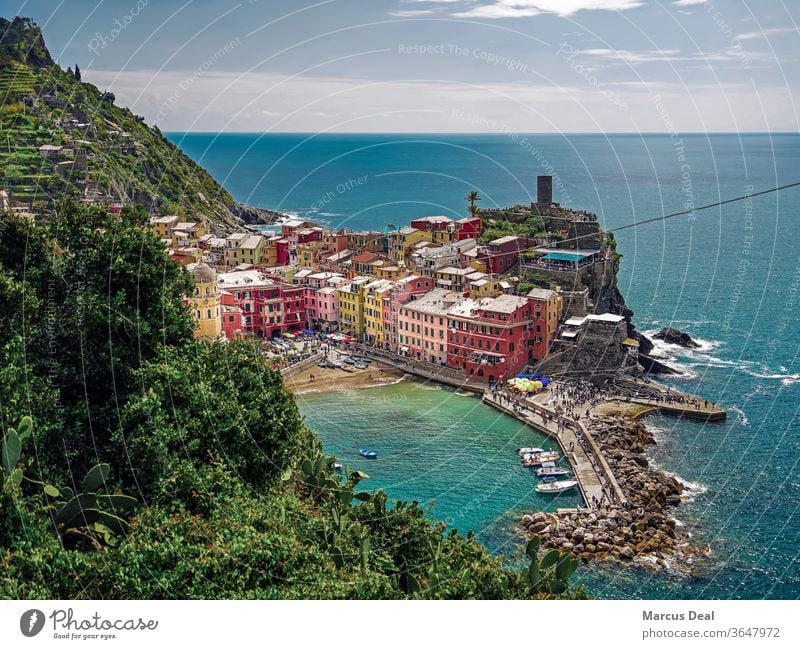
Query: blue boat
{"points": [[367, 453]]}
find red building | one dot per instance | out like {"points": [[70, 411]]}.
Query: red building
{"points": [[306, 235], [268, 305], [470, 227], [490, 339], [501, 255], [282, 254], [231, 316], [546, 307]]}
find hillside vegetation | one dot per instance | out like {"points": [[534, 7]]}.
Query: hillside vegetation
{"points": [[40, 104]]}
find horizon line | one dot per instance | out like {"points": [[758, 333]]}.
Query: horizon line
{"points": [[505, 133]]}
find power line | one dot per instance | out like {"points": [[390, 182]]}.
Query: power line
{"points": [[691, 211]]}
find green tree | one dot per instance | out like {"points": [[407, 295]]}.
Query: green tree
{"points": [[473, 197]]}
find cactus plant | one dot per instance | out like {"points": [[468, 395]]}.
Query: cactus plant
{"points": [[11, 475], [89, 518], [550, 574]]}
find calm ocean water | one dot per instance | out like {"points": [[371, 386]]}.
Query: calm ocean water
{"points": [[730, 276]]}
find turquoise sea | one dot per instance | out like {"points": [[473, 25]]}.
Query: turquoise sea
{"points": [[730, 276]]}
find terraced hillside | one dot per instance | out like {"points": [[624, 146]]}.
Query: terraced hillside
{"points": [[125, 160]]}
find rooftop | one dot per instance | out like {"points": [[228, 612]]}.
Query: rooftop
{"points": [[506, 239], [245, 279], [439, 301], [502, 303], [542, 294], [253, 241]]}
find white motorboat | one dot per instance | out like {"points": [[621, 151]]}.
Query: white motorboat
{"points": [[551, 470], [536, 459], [557, 487], [529, 449]]}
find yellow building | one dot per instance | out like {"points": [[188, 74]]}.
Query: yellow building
{"points": [[351, 305], [402, 241], [250, 250], [389, 271], [162, 226], [205, 304], [484, 287], [308, 253], [374, 293]]}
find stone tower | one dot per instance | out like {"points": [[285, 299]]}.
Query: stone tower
{"points": [[544, 190]]}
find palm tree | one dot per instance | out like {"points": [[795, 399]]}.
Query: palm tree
{"points": [[473, 197]]}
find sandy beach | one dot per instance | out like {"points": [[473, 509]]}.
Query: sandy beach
{"points": [[328, 379]]}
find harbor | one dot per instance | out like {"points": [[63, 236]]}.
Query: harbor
{"points": [[623, 510]]}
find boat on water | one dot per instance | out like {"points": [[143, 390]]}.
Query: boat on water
{"points": [[527, 450], [337, 467], [368, 453], [557, 487], [537, 459], [551, 471]]}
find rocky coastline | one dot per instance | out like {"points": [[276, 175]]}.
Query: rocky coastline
{"points": [[641, 530], [256, 215]]}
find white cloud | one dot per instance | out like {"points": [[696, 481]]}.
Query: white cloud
{"points": [[631, 57], [688, 3], [523, 8], [764, 33], [411, 13]]}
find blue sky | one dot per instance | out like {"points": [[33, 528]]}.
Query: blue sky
{"points": [[436, 65]]}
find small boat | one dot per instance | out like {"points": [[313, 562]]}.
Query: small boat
{"points": [[529, 449], [360, 365], [349, 360], [557, 487], [551, 471], [534, 459], [367, 453], [335, 363], [322, 364], [346, 368], [337, 467]]}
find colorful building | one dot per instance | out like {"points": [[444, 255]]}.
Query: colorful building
{"points": [[404, 290], [490, 339], [162, 226], [351, 305], [269, 306], [547, 307], [374, 294], [502, 255], [422, 325], [205, 303], [402, 241]]}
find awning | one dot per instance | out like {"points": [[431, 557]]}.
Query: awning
{"points": [[404, 348], [286, 334]]}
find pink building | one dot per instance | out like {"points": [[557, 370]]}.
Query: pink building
{"points": [[422, 325], [321, 299], [405, 289]]}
